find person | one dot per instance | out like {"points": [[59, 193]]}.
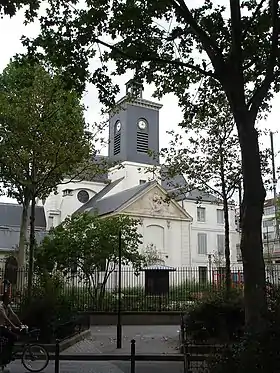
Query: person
{"points": [[9, 326]]}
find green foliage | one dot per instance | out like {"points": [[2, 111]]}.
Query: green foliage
{"points": [[158, 39], [217, 317], [88, 247], [10, 7], [48, 307], [42, 131], [190, 52], [217, 169]]}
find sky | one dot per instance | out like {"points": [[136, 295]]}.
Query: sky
{"points": [[11, 31]]}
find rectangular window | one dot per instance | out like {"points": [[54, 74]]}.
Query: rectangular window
{"points": [[268, 223], [270, 210], [202, 273], [201, 214], [220, 216], [50, 222], [238, 252], [221, 244], [202, 243]]}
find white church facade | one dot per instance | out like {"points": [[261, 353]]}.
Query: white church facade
{"points": [[187, 231]]}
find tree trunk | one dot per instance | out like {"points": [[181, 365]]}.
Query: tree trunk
{"points": [[227, 248], [31, 246], [251, 225], [23, 232], [226, 218]]}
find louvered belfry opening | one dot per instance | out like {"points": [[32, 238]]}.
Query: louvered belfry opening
{"points": [[117, 144], [142, 142]]}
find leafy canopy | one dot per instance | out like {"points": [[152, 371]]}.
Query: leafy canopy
{"points": [[42, 131], [88, 244], [10, 7], [169, 44]]}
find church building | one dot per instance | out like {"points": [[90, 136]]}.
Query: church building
{"points": [[187, 231]]}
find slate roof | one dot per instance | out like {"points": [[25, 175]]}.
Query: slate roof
{"points": [[100, 178], [197, 195], [10, 215], [10, 219], [177, 188], [92, 202], [107, 205]]}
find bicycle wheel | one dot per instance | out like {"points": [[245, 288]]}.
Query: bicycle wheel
{"points": [[35, 358]]}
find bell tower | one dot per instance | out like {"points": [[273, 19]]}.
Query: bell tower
{"points": [[134, 128]]}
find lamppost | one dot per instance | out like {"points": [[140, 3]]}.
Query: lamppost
{"points": [[119, 324], [210, 267]]}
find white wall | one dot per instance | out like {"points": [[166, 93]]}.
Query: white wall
{"points": [[59, 206], [132, 173], [212, 228], [171, 239]]}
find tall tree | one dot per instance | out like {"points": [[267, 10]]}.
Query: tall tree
{"points": [[233, 48], [43, 138], [210, 159]]}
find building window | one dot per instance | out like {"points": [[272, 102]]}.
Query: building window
{"points": [[202, 275], [83, 196], [201, 214], [202, 243], [221, 244], [67, 192], [220, 216], [268, 223], [142, 182], [269, 236], [270, 210], [50, 222], [238, 252]]}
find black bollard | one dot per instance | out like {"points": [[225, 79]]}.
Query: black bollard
{"points": [[56, 357], [132, 356]]}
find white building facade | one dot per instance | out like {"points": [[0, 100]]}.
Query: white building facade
{"points": [[187, 231]]}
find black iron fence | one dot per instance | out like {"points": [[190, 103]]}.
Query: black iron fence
{"points": [[185, 286]]}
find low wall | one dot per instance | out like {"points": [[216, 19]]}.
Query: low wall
{"points": [[137, 318]]}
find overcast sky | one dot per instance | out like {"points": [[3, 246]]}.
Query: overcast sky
{"points": [[11, 31]]}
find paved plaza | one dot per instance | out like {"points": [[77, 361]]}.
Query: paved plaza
{"points": [[155, 339], [149, 340], [106, 367]]}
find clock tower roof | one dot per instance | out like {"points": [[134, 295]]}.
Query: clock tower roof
{"points": [[134, 96]]}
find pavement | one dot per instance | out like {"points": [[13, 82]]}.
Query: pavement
{"points": [[106, 367], [154, 339]]}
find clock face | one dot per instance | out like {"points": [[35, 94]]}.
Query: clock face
{"points": [[142, 124], [118, 126]]}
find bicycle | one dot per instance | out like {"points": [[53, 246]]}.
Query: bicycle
{"points": [[28, 352]]}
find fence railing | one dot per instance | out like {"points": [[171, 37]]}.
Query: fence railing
{"points": [[185, 286]]}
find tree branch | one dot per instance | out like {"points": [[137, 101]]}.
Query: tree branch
{"points": [[258, 8], [156, 59], [207, 42], [263, 88]]}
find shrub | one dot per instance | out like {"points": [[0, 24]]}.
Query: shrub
{"points": [[217, 317], [254, 353], [47, 308]]}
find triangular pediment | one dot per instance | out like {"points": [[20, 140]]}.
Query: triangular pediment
{"points": [[153, 202]]}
